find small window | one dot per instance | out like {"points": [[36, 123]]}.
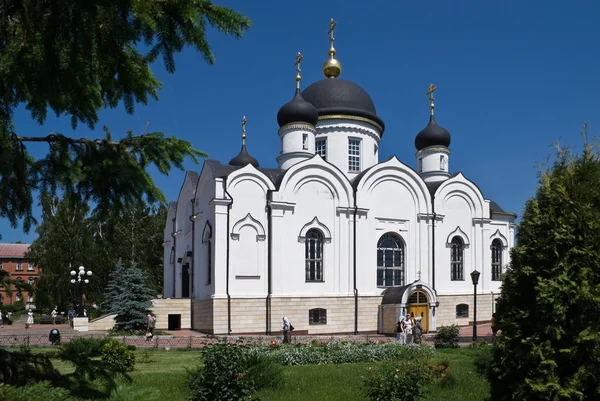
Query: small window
{"points": [[18, 298], [313, 248], [496, 259], [317, 316], [321, 148], [30, 298], [456, 259], [31, 281], [19, 280], [1, 267], [20, 266], [30, 267], [353, 155], [420, 164], [375, 149], [462, 310], [305, 141]]}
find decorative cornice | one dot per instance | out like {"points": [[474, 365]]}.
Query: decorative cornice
{"points": [[297, 126], [349, 117], [315, 223], [220, 202], [433, 149], [280, 205], [360, 212], [427, 217], [457, 233]]}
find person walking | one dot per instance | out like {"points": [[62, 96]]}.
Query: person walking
{"points": [[494, 327], [53, 314], [418, 331], [30, 316], [150, 328], [287, 330], [400, 331]]}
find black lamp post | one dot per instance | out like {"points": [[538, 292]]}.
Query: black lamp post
{"points": [[81, 280], [475, 277]]}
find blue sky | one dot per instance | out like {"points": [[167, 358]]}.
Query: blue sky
{"points": [[513, 78]]}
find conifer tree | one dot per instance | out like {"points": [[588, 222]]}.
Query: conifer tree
{"points": [[132, 304], [113, 288], [549, 309], [75, 58]]}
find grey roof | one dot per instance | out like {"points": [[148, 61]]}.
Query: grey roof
{"points": [[297, 110], [193, 176], [223, 170], [393, 295], [432, 135]]}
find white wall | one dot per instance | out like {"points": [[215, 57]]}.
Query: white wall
{"points": [[394, 196], [204, 228], [312, 195], [338, 131]]}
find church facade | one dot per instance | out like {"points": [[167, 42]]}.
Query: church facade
{"points": [[334, 239]]}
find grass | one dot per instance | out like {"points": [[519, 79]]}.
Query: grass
{"points": [[166, 372]]}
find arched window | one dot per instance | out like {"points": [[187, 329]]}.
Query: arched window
{"points": [[31, 281], [496, 259], [207, 239], [390, 261], [456, 259], [313, 248]]}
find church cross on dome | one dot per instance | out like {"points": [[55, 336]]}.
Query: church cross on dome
{"points": [[299, 58], [244, 130], [432, 88], [332, 67]]}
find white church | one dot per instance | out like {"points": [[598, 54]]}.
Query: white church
{"points": [[333, 238]]}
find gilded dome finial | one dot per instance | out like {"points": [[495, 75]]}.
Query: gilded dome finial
{"points": [[332, 67], [299, 58], [432, 88], [244, 130]]}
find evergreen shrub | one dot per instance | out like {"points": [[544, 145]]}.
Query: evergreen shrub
{"points": [[447, 337], [118, 355]]}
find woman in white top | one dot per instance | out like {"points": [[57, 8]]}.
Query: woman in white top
{"points": [[408, 330], [30, 317]]}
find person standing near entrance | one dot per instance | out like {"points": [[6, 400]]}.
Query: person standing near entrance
{"points": [[54, 314], [408, 330], [400, 328]]}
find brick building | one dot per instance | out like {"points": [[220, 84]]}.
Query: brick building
{"points": [[13, 261]]}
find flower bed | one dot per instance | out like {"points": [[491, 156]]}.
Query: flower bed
{"points": [[337, 352]]}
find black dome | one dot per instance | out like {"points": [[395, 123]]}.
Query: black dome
{"points": [[297, 110], [339, 96], [432, 135], [243, 159]]}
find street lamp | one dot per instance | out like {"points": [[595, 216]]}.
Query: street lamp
{"points": [[475, 277], [79, 277]]}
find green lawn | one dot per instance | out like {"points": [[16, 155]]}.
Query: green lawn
{"points": [[165, 371]]}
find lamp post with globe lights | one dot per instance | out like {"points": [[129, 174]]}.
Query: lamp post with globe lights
{"points": [[79, 278]]}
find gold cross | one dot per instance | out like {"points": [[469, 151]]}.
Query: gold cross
{"points": [[432, 88], [299, 58], [332, 25], [244, 128]]}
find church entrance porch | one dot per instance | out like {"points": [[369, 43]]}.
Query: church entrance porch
{"points": [[416, 297], [418, 304]]}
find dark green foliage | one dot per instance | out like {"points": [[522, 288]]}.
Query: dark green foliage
{"points": [[483, 360], [118, 355], [132, 304], [75, 59], [404, 380], [222, 376], [86, 355], [21, 368], [231, 372], [35, 392], [447, 337], [69, 235], [549, 309]]}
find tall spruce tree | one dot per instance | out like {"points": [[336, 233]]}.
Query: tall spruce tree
{"points": [[113, 288], [549, 309], [132, 304], [75, 58]]}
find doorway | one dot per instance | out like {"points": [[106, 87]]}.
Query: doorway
{"points": [[418, 303], [174, 322], [185, 281]]}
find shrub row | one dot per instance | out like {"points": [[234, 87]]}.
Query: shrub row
{"points": [[337, 352]]}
